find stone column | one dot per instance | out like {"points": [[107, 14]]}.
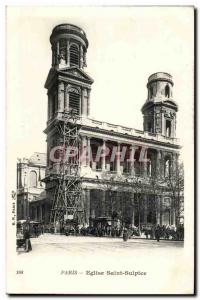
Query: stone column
{"points": [[88, 102], [84, 102], [118, 159], [84, 152], [25, 178], [174, 163], [103, 158], [20, 175], [27, 206], [103, 204], [61, 96], [158, 163], [162, 164], [132, 164], [87, 194], [67, 55], [133, 217], [57, 52], [17, 175], [145, 208], [158, 210], [50, 106], [133, 212], [172, 213], [41, 217], [88, 151], [144, 168], [84, 60], [161, 210], [81, 57], [163, 124], [36, 213], [145, 162], [83, 206], [173, 217], [66, 99], [173, 133]]}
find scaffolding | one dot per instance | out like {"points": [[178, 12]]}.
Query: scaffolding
{"points": [[66, 205]]}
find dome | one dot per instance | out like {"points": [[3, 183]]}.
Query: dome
{"points": [[67, 30], [160, 76]]}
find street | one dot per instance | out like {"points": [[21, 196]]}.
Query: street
{"points": [[61, 244], [75, 264]]}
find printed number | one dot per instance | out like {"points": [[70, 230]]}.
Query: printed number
{"points": [[19, 272]]}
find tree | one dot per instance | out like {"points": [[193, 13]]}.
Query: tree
{"points": [[155, 189], [110, 184], [175, 184], [138, 190]]}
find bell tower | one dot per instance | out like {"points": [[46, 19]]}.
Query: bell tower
{"points": [[67, 84], [68, 89], [69, 46], [159, 110]]}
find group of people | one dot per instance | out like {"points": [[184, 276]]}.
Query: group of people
{"points": [[165, 232], [153, 232], [101, 231]]}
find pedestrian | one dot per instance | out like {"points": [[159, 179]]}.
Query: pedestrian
{"points": [[113, 232], [146, 233], [157, 233], [125, 235], [27, 241]]}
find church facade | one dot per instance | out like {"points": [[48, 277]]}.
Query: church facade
{"points": [[125, 172], [127, 175]]}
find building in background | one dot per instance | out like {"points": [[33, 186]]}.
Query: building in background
{"points": [[31, 194]]}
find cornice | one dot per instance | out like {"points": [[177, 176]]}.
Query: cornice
{"points": [[131, 137]]}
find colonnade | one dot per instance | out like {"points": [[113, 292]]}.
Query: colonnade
{"points": [[150, 161]]}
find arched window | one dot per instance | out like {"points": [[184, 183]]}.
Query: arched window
{"points": [[167, 91], [33, 179], [168, 128], [74, 100], [74, 55]]}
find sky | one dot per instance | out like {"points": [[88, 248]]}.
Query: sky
{"points": [[126, 46]]}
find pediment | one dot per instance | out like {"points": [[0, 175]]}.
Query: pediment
{"points": [[76, 73], [71, 72]]}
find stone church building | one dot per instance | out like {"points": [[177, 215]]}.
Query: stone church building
{"points": [[132, 191]]}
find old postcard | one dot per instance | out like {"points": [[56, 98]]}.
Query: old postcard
{"points": [[100, 150]]}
